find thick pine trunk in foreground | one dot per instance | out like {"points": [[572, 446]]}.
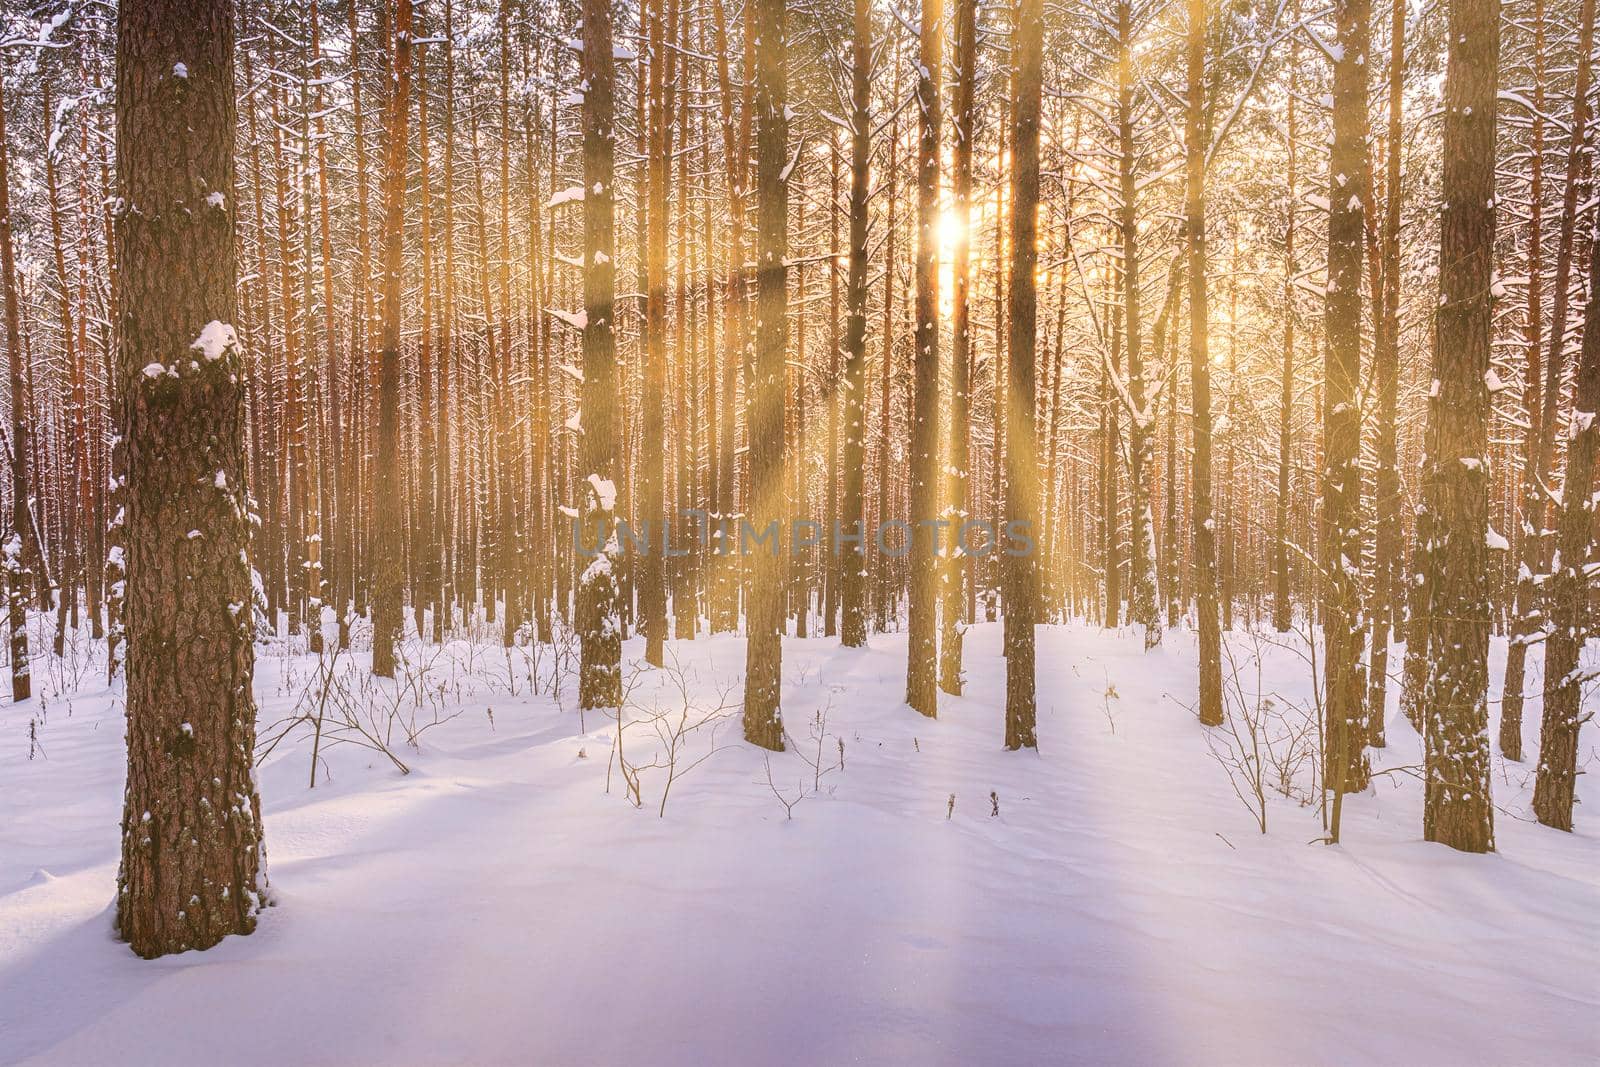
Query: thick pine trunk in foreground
{"points": [[388, 566], [922, 654], [1349, 193], [192, 858], [763, 720], [1196, 137], [599, 624], [1457, 810], [1022, 452]]}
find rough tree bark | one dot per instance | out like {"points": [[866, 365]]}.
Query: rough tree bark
{"points": [[20, 548], [1282, 607], [853, 564], [193, 867], [1022, 453], [1142, 608], [508, 463], [1205, 535], [1541, 438], [922, 654], [1569, 585], [763, 719], [724, 590], [830, 596], [957, 573], [316, 584], [1388, 586], [599, 627], [882, 569], [1457, 810], [651, 468], [1343, 625], [388, 566]]}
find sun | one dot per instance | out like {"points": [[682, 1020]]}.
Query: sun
{"points": [[950, 232]]}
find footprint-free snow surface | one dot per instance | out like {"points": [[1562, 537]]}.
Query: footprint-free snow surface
{"points": [[935, 899]]}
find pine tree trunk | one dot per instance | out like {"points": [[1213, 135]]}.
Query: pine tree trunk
{"points": [[599, 628], [1349, 193], [1141, 419], [388, 575], [957, 572], [853, 563], [882, 564], [1388, 587], [1457, 809], [1174, 587], [316, 587], [650, 469], [83, 487], [192, 858], [1282, 607], [836, 386], [1111, 457], [1164, 339], [280, 572], [21, 547], [796, 385], [685, 601], [996, 501], [1022, 453], [446, 492], [425, 547], [1196, 139], [736, 339], [361, 363], [922, 653], [1569, 586], [507, 442], [763, 719], [1544, 400], [1055, 602]]}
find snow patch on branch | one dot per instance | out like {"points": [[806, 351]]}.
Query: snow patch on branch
{"points": [[578, 320]]}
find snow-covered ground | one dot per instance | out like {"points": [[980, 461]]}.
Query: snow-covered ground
{"points": [[498, 905]]}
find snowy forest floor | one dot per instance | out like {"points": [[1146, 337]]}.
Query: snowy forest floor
{"points": [[498, 905]]}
